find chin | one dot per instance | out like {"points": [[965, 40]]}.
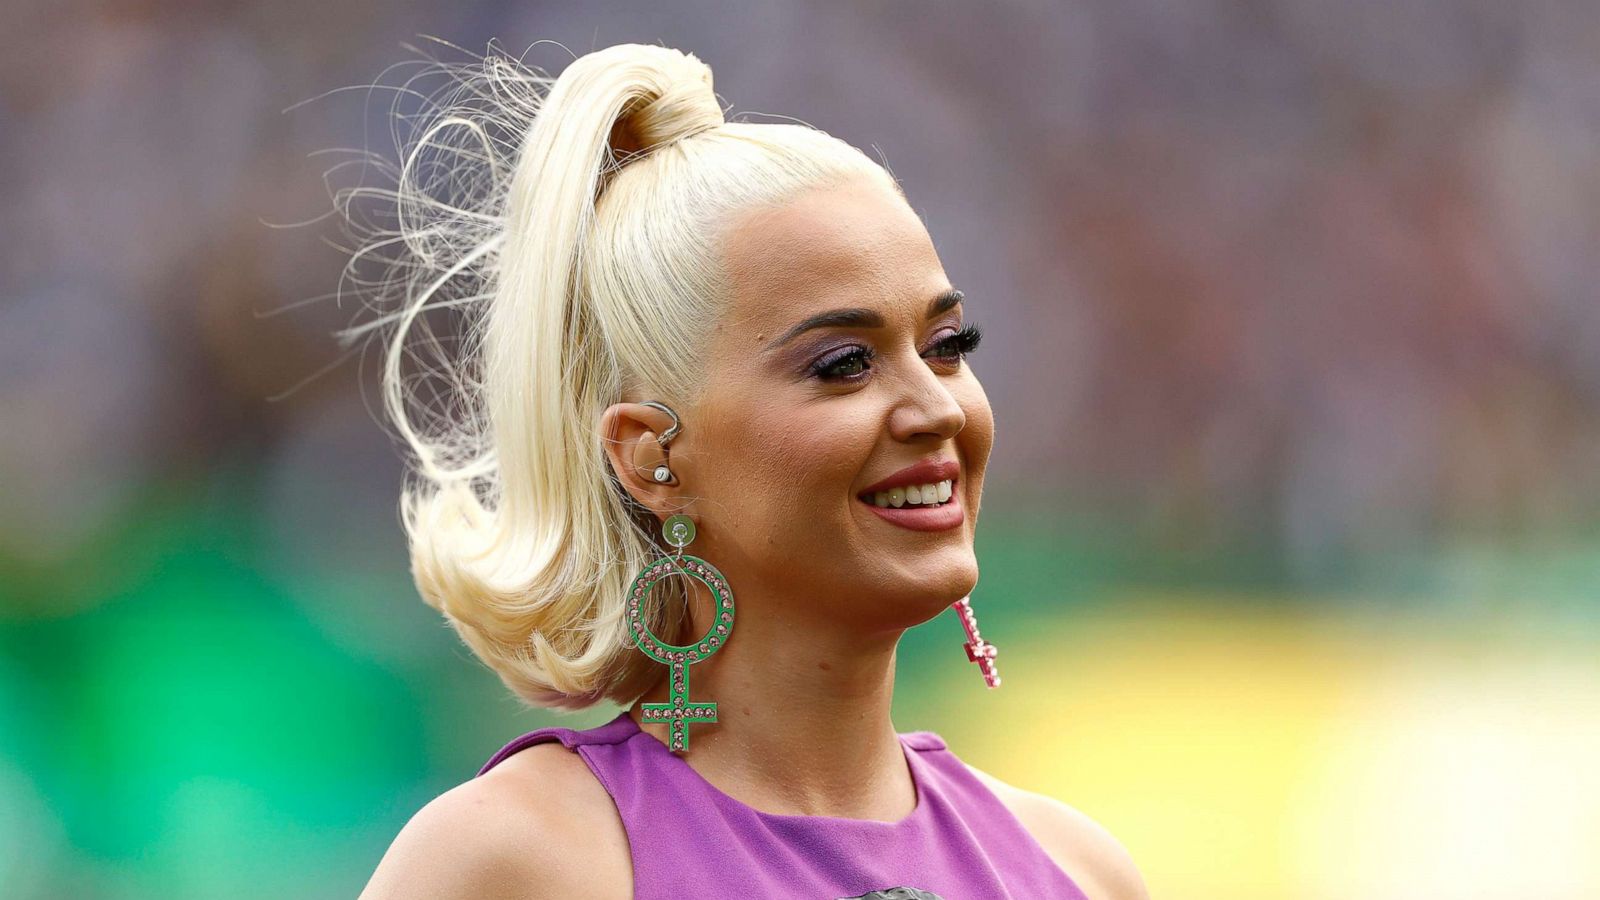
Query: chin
{"points": [[918, 596]]}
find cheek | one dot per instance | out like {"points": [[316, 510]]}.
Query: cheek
{"points": [[817, 460], [978, 435], [777, 461]]}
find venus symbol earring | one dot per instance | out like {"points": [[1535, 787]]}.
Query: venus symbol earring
{"points": [[979, 650], [679, 710]]}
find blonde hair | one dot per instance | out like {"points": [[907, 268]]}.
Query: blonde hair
{"points": [[572, 224]]}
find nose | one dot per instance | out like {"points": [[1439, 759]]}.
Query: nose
{"points": [[925, 407]]}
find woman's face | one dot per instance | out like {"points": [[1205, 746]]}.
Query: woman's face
{"points": [[796, 422]]}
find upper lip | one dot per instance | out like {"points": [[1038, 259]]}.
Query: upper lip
{"points": [[927, 471]]}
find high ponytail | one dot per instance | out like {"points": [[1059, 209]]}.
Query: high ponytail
{"points": [[573, 224]]}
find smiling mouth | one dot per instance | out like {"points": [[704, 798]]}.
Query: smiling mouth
{"points": [[924, 496]]}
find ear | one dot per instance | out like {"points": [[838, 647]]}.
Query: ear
{"points": [[629, 433]]}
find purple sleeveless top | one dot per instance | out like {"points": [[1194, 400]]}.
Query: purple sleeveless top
{"points": [[689, 839]]}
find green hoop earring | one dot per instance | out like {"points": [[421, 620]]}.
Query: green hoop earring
{"points": [[679, 711]]}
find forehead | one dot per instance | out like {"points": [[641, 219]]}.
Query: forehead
{"points": [[857, 243]]}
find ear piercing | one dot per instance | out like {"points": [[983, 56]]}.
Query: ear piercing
{"points": [[663, 474], [666, 436]]}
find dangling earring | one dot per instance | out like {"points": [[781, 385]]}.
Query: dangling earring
{"points": [[979, 650], [679, 710]]}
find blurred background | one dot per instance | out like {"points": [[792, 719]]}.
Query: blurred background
{"points": [[1292, 534]]}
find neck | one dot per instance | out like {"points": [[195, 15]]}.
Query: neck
{"points": [[803, 726]]}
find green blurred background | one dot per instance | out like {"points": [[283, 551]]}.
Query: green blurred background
{"points": [[1291, 540]]}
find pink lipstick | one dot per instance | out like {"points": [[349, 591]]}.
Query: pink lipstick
{"points": [[943, 517]]}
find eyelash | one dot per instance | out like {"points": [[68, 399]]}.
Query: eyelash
{"points": [[960, 343]]}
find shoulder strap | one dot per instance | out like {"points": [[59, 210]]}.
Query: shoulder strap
{"points": [[948, 774], [922, 740], [613, 732]]}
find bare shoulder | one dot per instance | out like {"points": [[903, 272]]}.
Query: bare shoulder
{"points": [[537, 825], [1082, 847]]}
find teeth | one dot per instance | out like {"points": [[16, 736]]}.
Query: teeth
{"points": [[931, 494]]}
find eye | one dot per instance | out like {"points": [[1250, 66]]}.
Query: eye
{"points": [[959, 344], [844, 367]]}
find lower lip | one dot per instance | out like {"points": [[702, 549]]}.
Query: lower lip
{"points": [[921, 518]]}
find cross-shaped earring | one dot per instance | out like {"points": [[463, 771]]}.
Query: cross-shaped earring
{"points": [[978, 650]]}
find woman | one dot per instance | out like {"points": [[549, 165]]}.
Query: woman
{"points": [[725, 353]]}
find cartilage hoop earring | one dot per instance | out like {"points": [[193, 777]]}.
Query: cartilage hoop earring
{"points": [[680, 711], [672, 431]]}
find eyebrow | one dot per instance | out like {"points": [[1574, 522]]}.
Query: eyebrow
{"points": [[860, 317]]}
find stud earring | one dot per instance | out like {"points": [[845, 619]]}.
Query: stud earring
{"points": [[679, 711], [978, 650], [663, 474]]}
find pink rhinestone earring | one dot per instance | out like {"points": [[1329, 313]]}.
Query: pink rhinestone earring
{"points": [[979, 650]]}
